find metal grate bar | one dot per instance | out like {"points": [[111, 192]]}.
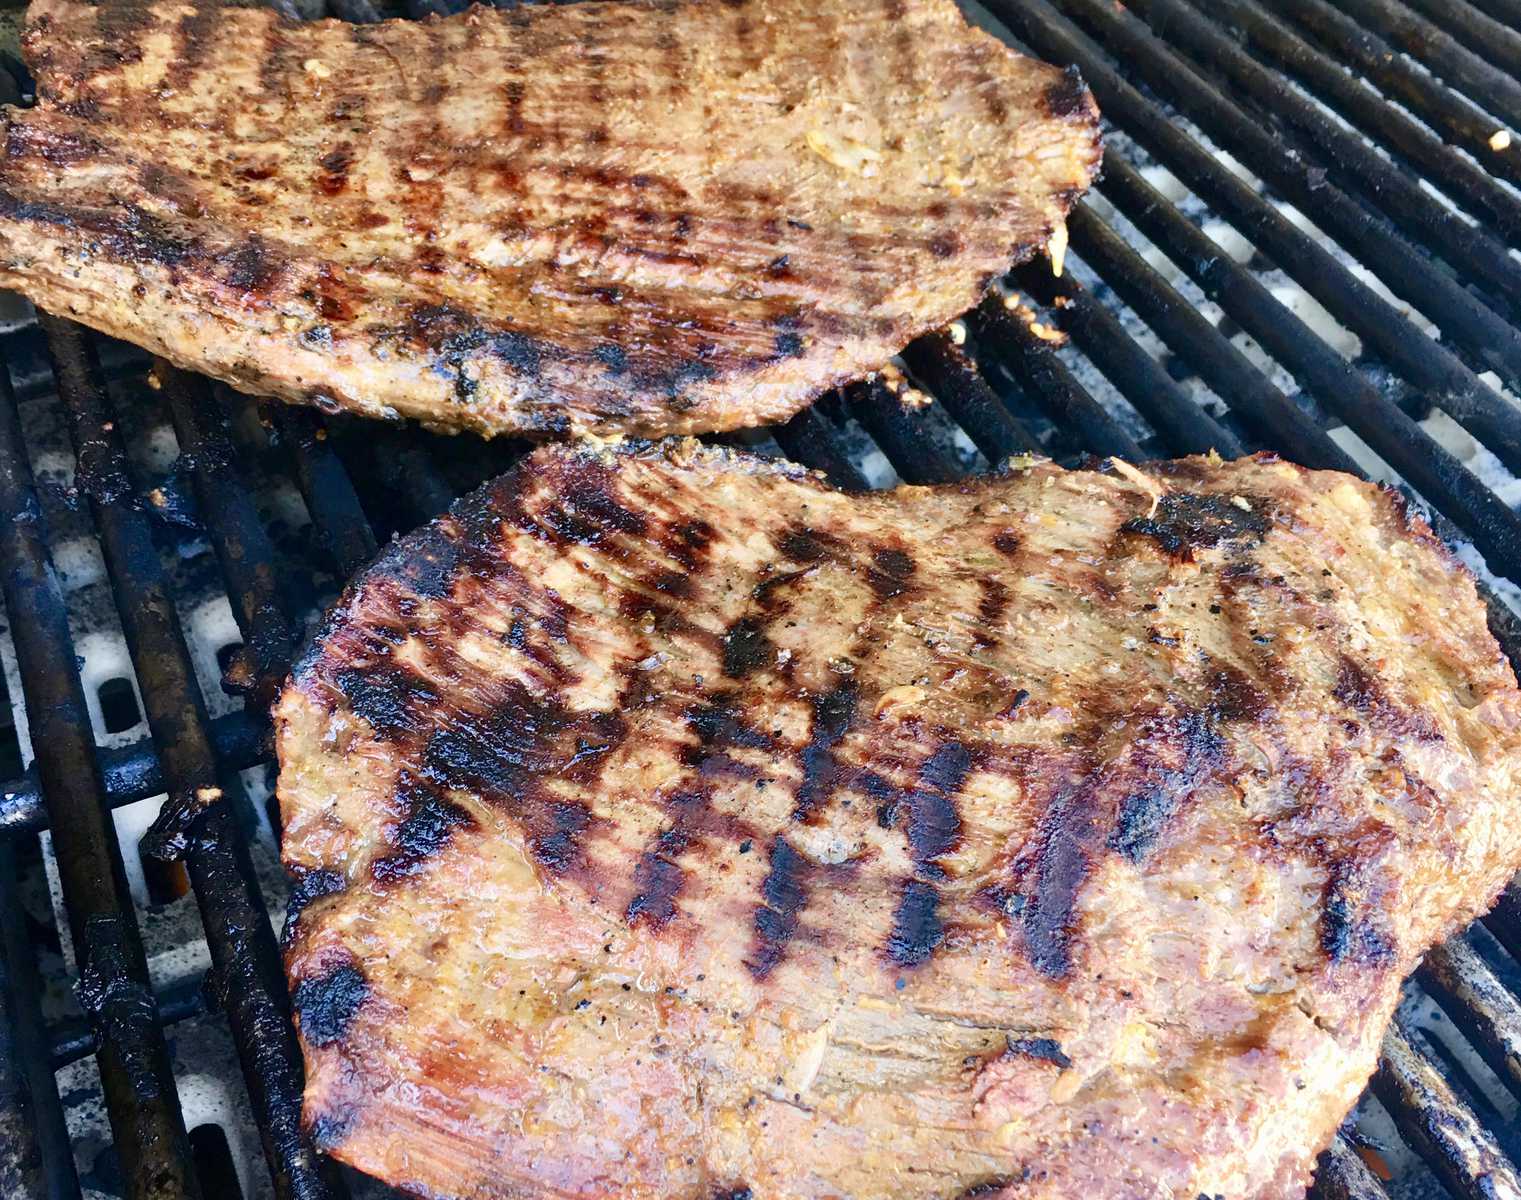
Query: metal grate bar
{"points": [[1441, 1128], [237, 535], [1504, 920], [1423, 361], [1508, 11], [132, 772], [1454, 173], [808, 439], [944, 369], [1480, 1005], [1270, 414], [138, 1083], [73, 1040], [915, 457], [1354, 163], [1183, 425], [1456, 117], [1342, 1175], [36, 1162], [1037, 369], [342, 528], [197, 822], [1489, 79], [1435, 473]]}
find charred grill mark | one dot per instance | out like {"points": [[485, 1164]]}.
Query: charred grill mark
{"points": [[833, 713], [1046, 1050], [991, 607], [688, 542], [658, 878], [784, 893], [512, 91], [746, 648], [192, 35], [327, 1004], [426, 564], [1067, 98], [1006, 542], [1347, 933], [1365, 695], [933, 829], [310, 885], [1063, 860], [1189, 521], [1176, 756], [584, 509], [254, 268], [426, 829], [453, 334], [329, 1130], [718, 724], [388, 697], [917, 928], [890, 573], [805, 545]]}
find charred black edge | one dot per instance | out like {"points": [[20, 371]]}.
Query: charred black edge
{"points": [[327, 1003]]}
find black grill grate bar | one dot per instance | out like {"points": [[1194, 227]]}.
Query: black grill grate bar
{"points": [[1480, 1005], [1183, 424], [138, 1083], [1033, 363], [1480, 55], [1342, 1175], [74, 1040], [1508, 11], [1316, 137], [916, 458], [1453, 115], [808, 438], [241, 543], [944, 370], [197, 822], [36, 1162], [343, 530], [132, 772], [1430, 289], [1504, 920], [1454, 173], [1270, 415], [1437, 1124], [1435, 473]]}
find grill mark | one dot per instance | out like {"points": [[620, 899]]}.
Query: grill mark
{"points": [[192, 35], [426, 564], [1006, 542], [658, 878], [1144, 812], [310, 886], [890, 573], [426, 829], [933, 828], [991, 608], [326, 1004], [1067, 98], [388, 697], [1189, 521], [1347, 932], [746, 648], [784, 894], [833, 713], [334, 166], [1047, 1050], [254, 268], [1365, 695]]}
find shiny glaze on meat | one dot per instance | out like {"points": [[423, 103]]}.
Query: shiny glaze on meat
{"points": [[667, 824], [648, 216]]}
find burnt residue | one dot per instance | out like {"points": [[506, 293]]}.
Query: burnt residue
{"points": [[1068, 97], [833, 713], [1046, 1050], [426, 829], [326, 1004], [891, 572], [1189, 521], [453, 334], [329, 1130], [741, 1192], [426, 564], [585, 510], [746, 648], [333, 169], [783, 894]]}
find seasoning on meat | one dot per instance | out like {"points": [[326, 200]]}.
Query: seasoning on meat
{"points": [[648, 216], [670, 825]]}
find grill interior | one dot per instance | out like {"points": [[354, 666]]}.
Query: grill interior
{"points": [[1303, 243]]}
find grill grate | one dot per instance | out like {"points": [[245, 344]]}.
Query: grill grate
{"points": [[1351, 301]]}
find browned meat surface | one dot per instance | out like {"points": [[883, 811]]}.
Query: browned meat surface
{"points": [[653, 216], [666, 824]]}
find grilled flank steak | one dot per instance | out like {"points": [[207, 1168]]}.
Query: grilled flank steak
{"points": [[666, 824], [652, 216]]}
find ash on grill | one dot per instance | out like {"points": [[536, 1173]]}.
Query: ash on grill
{"points": [[1279, 257]]}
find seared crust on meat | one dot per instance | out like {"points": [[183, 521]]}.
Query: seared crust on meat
{"points": [[668, 824], [650, 216]]}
